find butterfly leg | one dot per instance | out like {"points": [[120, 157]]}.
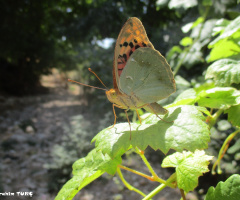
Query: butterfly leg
{"points": [[138, 113], [115, 116], [153, 111], [139, 117], [128, 123]]}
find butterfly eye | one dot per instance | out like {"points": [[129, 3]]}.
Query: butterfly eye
{"points": [[113, 93]]}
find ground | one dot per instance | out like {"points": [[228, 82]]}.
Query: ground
{"points": [[31, 126]]}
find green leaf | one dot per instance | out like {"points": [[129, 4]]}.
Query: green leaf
{"points": [[176, 4], [220, 26], [226, 48], [224, 72], [205, 86], [186, 28], [230, 189], [188, 97], [189, 166], [233, 115], [221, 98], [186, 41], [86, 170], [173, 52], [227, 44], [230, 29], [187, 131]]}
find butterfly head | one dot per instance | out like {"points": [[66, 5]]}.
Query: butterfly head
{"points": [[112, 95]]}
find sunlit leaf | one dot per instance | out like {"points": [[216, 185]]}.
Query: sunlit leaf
{"points": [[185, 129], [230, 189], [176, 4], [86, 170], [188, 97], [224, 72], [186, 28], [227, 43], [226, 48], [175, 50], [189, 166], [186, 41], [220, 25], [234, 115], [221, 98], [230, 29]]}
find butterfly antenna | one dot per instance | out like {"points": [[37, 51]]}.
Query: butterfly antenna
{"points": [[86, 85], [97, 77]]}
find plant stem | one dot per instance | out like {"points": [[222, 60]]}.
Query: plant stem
{"points": [[136, 172], [223, 151], [154, 175], [183, 194], [160, 187], [214, 118], [130, 187]]}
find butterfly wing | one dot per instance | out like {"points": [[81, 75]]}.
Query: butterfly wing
{"points": [[147, 75], [131, 37]]}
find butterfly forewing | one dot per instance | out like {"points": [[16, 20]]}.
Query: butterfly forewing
{"points": [[131, 37]]}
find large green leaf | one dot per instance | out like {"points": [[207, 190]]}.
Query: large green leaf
{"points": [[230, 29], [189, 166], [233, 115], [226, 48], [225, 72], [228, 190], [227, 44], [86, 170], [185, 129], [221, 98]]}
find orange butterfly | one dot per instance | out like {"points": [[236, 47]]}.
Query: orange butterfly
{"points": [[141, 75]]}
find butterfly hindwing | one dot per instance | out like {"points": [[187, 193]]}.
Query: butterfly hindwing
{"points": [[131, 37], [147, 75]]}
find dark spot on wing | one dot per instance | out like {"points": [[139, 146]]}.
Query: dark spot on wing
{"points": [[144, 44], [125, 44], [130, 53], [135, 40], [131, 45], [120, 45], [136, 47], [125, 57]]}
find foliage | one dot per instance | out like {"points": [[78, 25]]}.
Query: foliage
{"points": [[188, 128], [228, 190]]}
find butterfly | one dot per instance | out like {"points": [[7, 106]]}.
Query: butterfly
{"points": [[141, 75]]}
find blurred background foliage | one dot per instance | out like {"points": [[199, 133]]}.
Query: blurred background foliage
{"points": [[37, 36]]}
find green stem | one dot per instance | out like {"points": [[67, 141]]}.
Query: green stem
{"points": [[180, 62], [154, 175], [136, 172], [130, 187], [223, 151], [160, 187], [214, 118]]}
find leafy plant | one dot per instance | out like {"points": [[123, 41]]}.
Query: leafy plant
{"points": [[193, 113]]}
